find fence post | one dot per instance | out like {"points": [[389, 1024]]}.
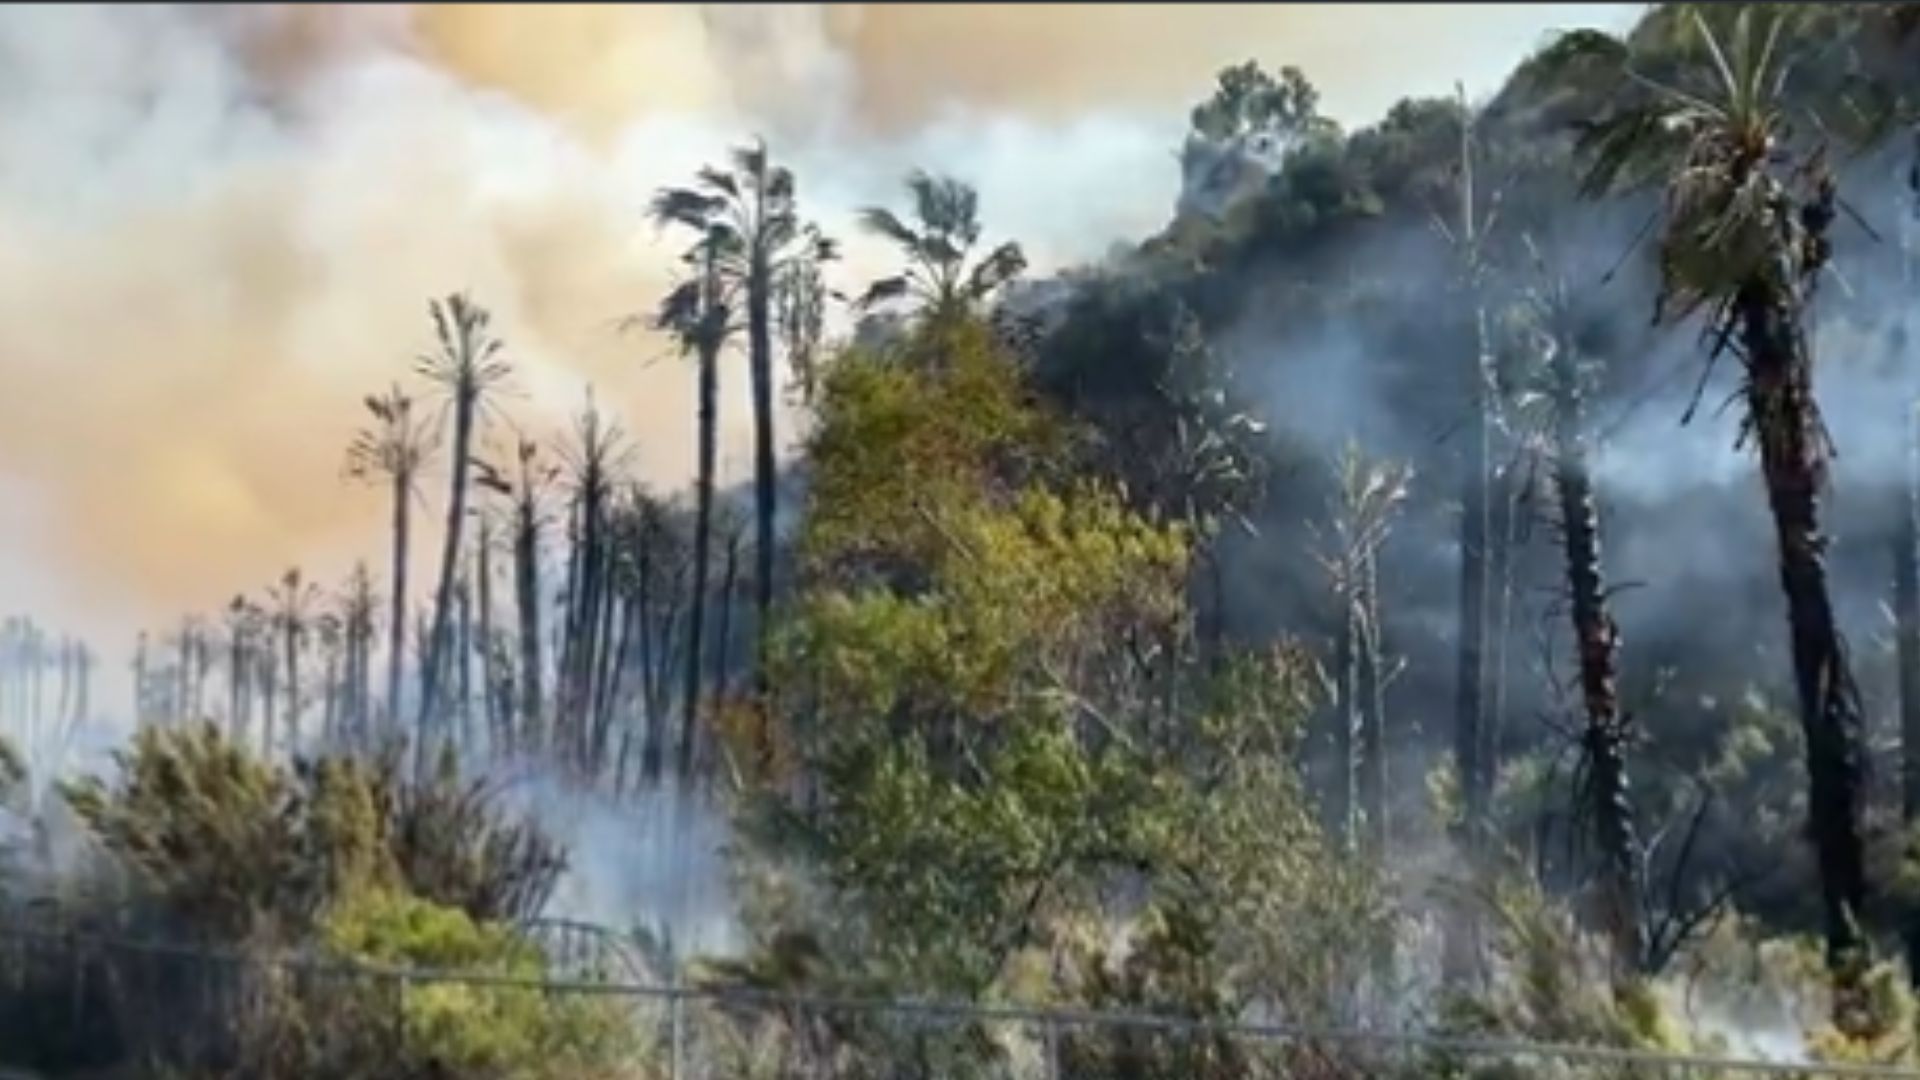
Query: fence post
{"points": [[1050, 1035], [400, 1016], [675, 1009]]}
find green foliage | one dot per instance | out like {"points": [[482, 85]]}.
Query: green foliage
{"points": [[941, 276], [938, 420], [214, 833], [1010, 731], [452, 843], [1248, 99], [473, 1027], [235, 848]]}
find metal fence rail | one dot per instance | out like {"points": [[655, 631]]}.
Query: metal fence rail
{"points": [[202, 1008]]}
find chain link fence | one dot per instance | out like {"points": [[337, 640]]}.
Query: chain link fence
{"points": [[70, 1003]]}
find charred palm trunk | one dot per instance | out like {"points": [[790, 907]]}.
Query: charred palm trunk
{"points": [[463, 649], [290, 642], [651, 704], [1785, 423], [397, 615], [1906, 571], [1462, 957], [668, 639], [1597, 641], [604, 670], [492, 706], [1906, 608], [466, 403], [526, 582], [703, 518], [585, 622], [630, 683], [723, 638], [760, 364], [1462, 949], [567, 637]]}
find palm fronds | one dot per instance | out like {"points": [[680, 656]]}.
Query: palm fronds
{"points": [[938, 247]]}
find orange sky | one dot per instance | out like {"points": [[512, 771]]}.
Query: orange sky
{"points": [[220, 227]]}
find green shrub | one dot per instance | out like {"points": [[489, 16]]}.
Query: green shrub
{"points": [[506, 1028]]}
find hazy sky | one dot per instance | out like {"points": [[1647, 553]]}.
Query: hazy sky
{"points": [[219, 228]]}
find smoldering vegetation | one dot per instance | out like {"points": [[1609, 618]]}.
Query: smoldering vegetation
{"points": [[1378, 598]]}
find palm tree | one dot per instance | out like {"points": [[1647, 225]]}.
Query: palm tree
{"points": [[941, 279], [467, 367], [529, 485], [753, 205], [358, 610], [697, 314], [1744, 240], [293, 600], [1605, 795], [391, 453], [1470, 727], [593, 464], [1369, 494]]}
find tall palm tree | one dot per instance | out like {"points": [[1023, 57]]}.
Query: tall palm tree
{"points": [[1906, 547], [1606, 796], [753, 202], [391, 453], [942, 277], [358, 612], [698, 314], [467, 367], [293, 600], [1470, 727], [1744, 240], [529, 485], [593, 464]]}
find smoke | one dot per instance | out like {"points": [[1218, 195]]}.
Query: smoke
{"points": [[1688, 541], [655, 861], [220, 227], [222, 224]]}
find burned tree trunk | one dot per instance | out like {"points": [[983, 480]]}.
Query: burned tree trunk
{"points": [[1784, 421], [397, 614], [723, 638], [1609, 806], [1462, 951], [483, 598], [526, 584], [709, 404], [463, 673], [1906, 571]]}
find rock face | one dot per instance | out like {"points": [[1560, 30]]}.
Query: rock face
{"points": [[1216, 174]]}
